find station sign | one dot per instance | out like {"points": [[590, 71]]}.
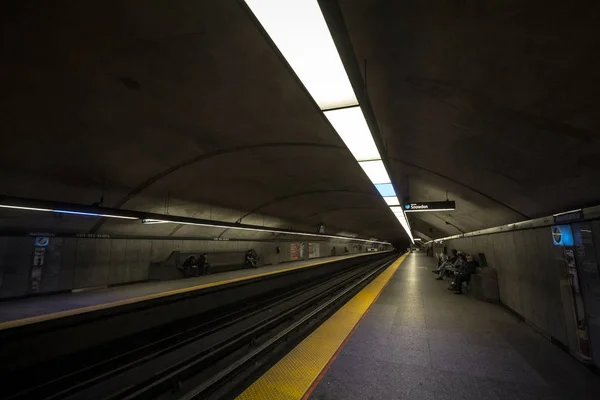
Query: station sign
{"points": [[567, 217], [562, 235], [430, 206]]}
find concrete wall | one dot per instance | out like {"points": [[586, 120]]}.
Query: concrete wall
{"points": [[74, 263], [530, 275]]}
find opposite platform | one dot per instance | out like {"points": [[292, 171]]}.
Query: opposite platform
{"points": [[31, 310]]}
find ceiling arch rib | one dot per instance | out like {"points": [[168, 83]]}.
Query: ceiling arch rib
{"points": [[142, 186], [297, 195]]}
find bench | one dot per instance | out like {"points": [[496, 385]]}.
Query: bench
{"points": [[219, 262]]}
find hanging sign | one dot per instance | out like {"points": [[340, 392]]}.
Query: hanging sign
{"points": [[430, 206]]}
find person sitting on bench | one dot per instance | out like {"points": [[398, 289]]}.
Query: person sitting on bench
{"points": [[250, 261], [453, 261], [450, 260], [203, 265], [190, 266], [463, 274]]}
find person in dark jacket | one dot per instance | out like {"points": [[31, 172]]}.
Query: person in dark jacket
{"points": [[203, 265], [468, 268], [190, 266]]}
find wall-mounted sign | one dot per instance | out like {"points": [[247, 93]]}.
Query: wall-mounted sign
{"points": [[93, 235], [570, 216], [430, 206], [41, 241], [296, 251], [562, 235], [36, 268]]}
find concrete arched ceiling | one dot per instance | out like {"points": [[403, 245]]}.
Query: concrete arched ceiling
{"points": [[152, 99], [493, 104]]}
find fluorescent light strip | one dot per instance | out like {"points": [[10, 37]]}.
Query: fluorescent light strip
{"points": [[376, 172], [160, 221], [399, 213], [152, 221], [92, 214], [391, 201], [25, 208], [566, 212], [351, 126], [65, 212], [439, 209], [299, 31]]}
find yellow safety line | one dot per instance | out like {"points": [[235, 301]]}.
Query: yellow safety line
{"points": [[294, 374], [86, 309]]}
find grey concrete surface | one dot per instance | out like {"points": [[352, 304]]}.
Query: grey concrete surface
{"points": [[420, 341], [189, 110], [35, 306], [479, 99], [530, 275], [91, 262]]}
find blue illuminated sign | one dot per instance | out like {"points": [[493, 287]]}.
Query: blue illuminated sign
{"points": [[562, 235], [41, 241]]}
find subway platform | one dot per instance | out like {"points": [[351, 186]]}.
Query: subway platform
{"points": [[406, 337], [19, 312]]}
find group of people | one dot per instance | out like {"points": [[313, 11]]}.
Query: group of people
{"points": [[462, 267], [195, 266]]}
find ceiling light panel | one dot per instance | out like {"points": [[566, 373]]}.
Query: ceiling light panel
{"points": [[397, 210], [392, 201], [352, 127], [376, 172], [299, 31], [399, 213], [385, 189]]}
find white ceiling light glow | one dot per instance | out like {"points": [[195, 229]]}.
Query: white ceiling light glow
{"points": [[352, 127], [299, 31], [392, 201], [401, 216], [376, 172], [24, 208], [90, 214]]}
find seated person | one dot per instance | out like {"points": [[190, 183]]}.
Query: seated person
{"points": [[189, 266], [203, 265], [450, 260], [453, 267], [463, 274], [250, 260]]}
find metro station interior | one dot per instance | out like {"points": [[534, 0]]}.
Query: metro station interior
{"points": [[247, 199]]}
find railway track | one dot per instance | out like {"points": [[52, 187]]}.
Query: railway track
{"points": [[208, 356]]}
